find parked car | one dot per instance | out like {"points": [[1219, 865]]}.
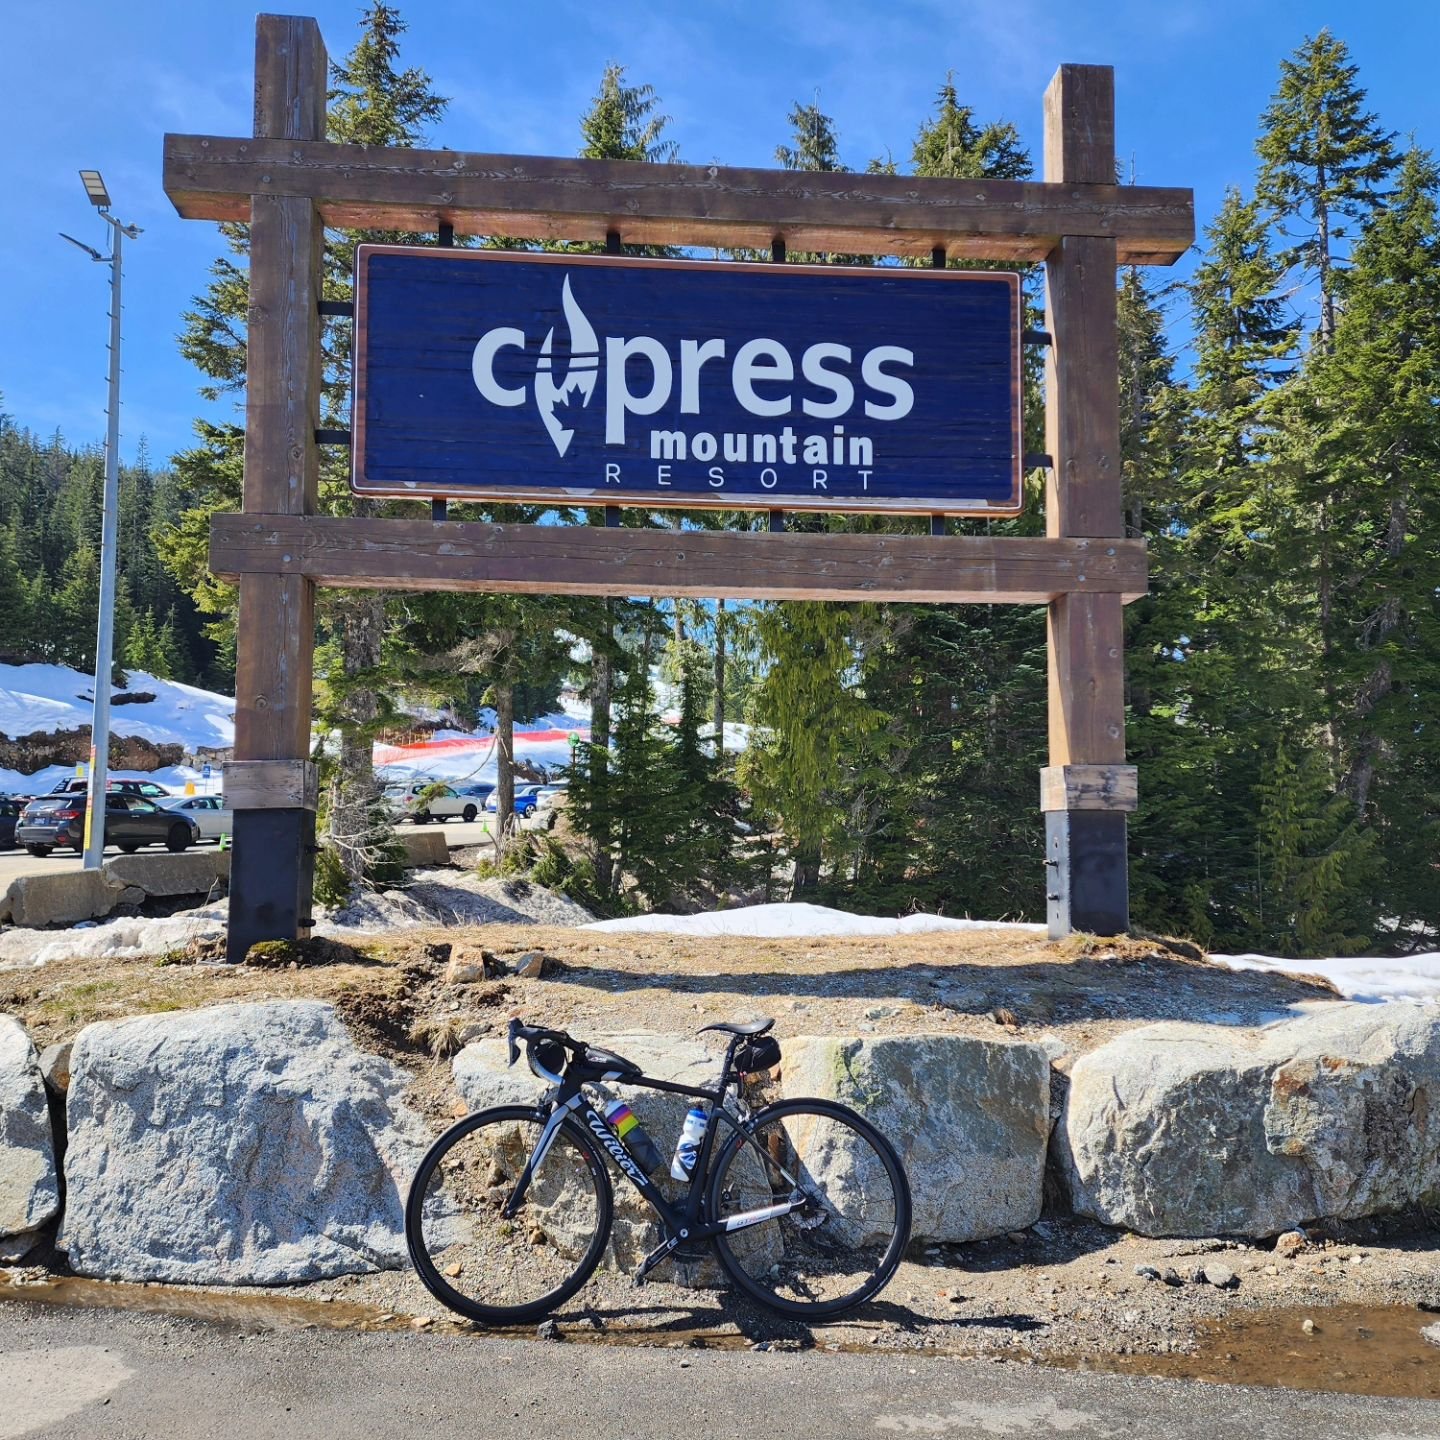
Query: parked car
{"points": [[130, 822], [9, 818], [552, 796], [146, 789], [526, 799], [426, 800], [209, 812]]}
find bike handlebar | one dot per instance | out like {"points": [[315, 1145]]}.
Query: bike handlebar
{"points": [[531, 1033]]}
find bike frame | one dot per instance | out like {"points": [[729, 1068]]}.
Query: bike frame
{"points": [[682, 1223]]}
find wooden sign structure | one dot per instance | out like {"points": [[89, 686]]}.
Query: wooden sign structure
{"points": [[288, 182]]}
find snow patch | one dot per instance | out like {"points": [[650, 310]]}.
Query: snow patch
{"points": [[1371, 979], [121, 939], [54, 697], [782, 921]]}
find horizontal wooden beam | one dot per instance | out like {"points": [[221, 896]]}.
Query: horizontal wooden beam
{"points": [[1089, 787], [361, 187], [389, 554]]}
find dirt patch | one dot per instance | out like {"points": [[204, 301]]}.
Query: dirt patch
{"points": [[1071, 995], [43, 748]]}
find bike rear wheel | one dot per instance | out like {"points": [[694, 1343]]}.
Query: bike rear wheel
{"points": [[499, 1270], [844, 1245]]}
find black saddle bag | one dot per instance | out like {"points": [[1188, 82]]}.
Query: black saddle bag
{"points": [[760, 1053]]}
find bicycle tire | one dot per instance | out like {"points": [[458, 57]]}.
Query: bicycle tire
{"points": [[454, 1230], [836, 1255]]}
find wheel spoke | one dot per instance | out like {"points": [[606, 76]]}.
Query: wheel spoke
{"points": [[487, 1265], [844, 1244]]}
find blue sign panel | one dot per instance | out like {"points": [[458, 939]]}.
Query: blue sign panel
{"points": [[592, 380]]}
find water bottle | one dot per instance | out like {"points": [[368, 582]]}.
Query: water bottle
{"points": [[687, 1148], [634, 1136]]}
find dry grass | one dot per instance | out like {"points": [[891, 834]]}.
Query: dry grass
{"points": [[1081, 990]]}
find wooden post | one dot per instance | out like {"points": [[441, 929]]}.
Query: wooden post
{"points": [[1088, 788], [274, 859]]}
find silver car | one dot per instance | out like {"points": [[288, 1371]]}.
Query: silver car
{"points": [[209, 812]]}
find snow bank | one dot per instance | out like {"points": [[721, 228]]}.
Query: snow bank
{"points": [[54, 697], [1371, 979], [120, 939], [778, 922]]}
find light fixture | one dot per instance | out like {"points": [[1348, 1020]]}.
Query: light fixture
{"points": [[90, 250], [95, 188]]}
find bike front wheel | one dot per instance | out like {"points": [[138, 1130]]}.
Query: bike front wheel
{"points": [[508, 1269], [845, 1242]]}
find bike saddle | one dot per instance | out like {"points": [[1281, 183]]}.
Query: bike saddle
{"points": [[755, 1027]]}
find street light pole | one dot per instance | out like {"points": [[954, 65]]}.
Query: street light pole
{"points": [[109, 534]]}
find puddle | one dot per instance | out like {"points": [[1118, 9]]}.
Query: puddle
{"points": [[1353, 1349], [238, 1311]]}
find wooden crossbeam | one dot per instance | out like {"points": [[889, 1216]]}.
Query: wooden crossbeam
{"points": [[392, 554], [358, 187]]}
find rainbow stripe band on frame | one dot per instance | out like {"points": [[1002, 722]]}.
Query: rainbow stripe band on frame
{"points": [[623, 1119]]}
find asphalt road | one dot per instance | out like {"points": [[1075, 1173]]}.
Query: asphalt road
{"points": [[19, 862], [101, 1373]]}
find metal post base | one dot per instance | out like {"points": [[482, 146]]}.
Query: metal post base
{"points": [[272, 872], [1087, 880]]}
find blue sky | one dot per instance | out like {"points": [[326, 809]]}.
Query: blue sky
{"points": [[84, 83]]}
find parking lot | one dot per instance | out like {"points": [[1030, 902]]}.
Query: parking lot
{"points": [[17, 862]]}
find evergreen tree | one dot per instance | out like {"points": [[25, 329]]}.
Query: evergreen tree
{"points": [[939, 811], [1360, 450], [1325, 160], [641, 813], [815, 733], [623, 124], [1314, 862], [15, 637], [953, 145], [816, 147], [1215, 673]]}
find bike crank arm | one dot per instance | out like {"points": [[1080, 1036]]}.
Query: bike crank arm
{"points": [[744, 1220], [661, 1253]]}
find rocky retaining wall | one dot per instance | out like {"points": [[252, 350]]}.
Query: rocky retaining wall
{"points": [[249, 1144], [29, 1188], [1196, 1130], [257, 1144]]}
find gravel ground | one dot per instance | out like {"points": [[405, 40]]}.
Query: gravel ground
{"points": [[1064, 1292]]}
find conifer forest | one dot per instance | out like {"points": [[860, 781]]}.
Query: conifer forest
{"points": [[1281, 457]]}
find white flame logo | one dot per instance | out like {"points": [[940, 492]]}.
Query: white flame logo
{"points": [[550, 395], [579, 378]]}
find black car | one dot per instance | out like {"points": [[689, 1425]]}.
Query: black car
{"points": [[146, 789], [130, 822], [9, 818]]}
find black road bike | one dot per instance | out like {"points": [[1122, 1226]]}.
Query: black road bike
{"points": [[804, 1202]]}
